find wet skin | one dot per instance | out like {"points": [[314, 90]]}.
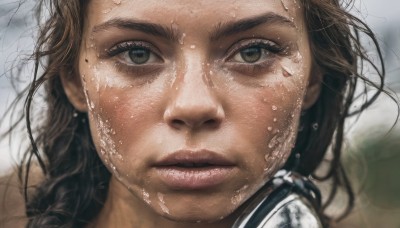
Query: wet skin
{"points": [[169, 85]]}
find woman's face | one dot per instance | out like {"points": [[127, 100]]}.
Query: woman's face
{"points": [[193, 105]]}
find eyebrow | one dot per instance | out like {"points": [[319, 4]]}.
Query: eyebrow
{"points": [[230, 28], [221, 30], [132, 24]]}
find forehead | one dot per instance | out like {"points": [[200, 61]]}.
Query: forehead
{"points": [[191, 12]]}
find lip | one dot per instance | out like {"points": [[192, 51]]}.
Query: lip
{"points": [[194, 170]]}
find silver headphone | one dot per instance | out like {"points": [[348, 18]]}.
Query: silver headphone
{"points": [[288, 200]]}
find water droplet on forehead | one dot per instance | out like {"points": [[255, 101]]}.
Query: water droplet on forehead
{"points": [[284, 5]]}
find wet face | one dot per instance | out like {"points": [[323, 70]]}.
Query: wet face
{"points": [[193, 104]]}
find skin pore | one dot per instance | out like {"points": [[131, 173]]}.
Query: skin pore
{"points": [[166, 82]]}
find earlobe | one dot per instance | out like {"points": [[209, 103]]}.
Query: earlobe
{"points": [[74, 90], [313, 89]]}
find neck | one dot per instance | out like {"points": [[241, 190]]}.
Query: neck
{"points": [[123, 209]]}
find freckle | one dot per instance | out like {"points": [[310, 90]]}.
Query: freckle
{"points": [[86, 60]]}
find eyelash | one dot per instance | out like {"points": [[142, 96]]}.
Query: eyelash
{"points": [[134, 68], [269, 50]]}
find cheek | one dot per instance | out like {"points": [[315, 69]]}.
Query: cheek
{"points": [[119, 118], [269, 123]]}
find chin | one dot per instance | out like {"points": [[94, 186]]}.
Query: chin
{"points": [[203, 216], [205, 210]]}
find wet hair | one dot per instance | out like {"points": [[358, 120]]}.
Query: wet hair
{"points": [[76, 181]]}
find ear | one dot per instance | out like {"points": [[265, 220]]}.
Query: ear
{"points": [[74, 90], [313, 88]]}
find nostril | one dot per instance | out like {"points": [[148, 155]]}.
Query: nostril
{"points": [[194, 124], [178, 122], [210, 122]]}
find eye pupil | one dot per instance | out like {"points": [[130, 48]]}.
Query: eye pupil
{"points": [[139, 55], [251, 54]]}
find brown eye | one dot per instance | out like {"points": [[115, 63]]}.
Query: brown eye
{"points": [[139, 55], [251, 54]]}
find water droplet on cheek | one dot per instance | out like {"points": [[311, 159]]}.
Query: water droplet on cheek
{"points": [[192, 46], [105, 11], [161, 203], [238, 196], [92, 105], [297, 58], [117, 2], [274, 108], [182, 39], [287, 71], [146, 196]]}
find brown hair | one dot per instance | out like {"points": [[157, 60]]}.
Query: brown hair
{"points": [[76, 181]]}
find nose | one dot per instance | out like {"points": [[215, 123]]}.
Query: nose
{"points": [[193, 103]]}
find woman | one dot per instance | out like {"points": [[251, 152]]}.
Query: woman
{"points": [[175, 113]]}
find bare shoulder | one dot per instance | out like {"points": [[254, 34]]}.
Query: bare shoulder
{"points": [[12, 205]]}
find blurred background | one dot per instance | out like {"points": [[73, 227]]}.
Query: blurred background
{"points": [[372, 156]]}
